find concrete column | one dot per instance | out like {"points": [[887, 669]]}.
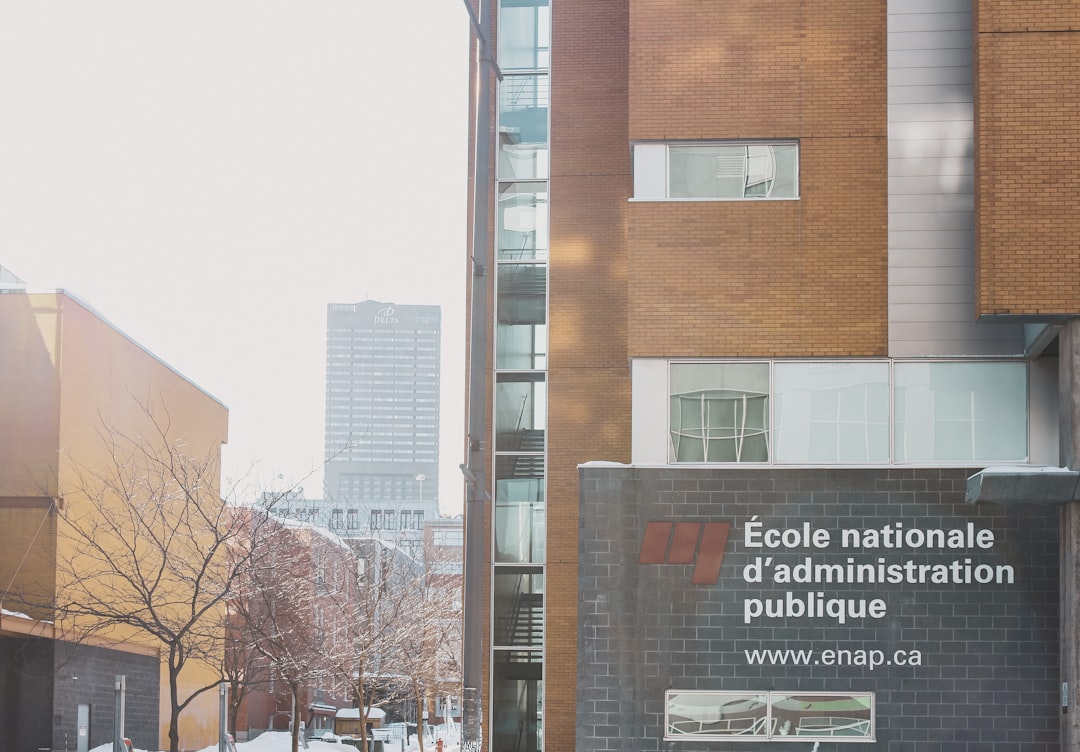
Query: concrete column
{"points": [[1069, 433]]}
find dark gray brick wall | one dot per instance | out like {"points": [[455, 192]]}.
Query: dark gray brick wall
{"points": [[989, 673], [96, 669]]}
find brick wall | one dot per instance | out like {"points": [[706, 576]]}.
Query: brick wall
{"points": [[753, 69], [96, 669], [805, 277], [1027, 196], [712, 279], [988, 678], [42, 683], [589, 387]]}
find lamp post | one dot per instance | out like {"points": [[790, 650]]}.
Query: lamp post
{"points": [[119, 697]]}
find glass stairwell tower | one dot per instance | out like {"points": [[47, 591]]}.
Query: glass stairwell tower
{"points": [[516, 688]]}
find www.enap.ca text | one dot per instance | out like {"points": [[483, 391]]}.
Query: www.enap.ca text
{"points": [[869, 657]]}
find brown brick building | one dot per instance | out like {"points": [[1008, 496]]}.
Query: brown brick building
{"points": [[834, 235]]}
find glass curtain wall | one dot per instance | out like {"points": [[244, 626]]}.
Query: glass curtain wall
{"points": [[520, 394]]}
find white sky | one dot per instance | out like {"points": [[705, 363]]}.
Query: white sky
{"points": [[209, 174]]}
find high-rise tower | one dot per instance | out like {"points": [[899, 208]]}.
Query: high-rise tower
{"points": [[382, 401]]}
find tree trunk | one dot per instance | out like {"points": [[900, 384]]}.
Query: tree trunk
{"points": [[174, 701], [420, 717], [363, 716], [235, 700], [295, 687]]}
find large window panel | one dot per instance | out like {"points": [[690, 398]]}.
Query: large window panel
{"points": [[520, 412], [517, 702], [831, 411], [717, 715], [694, 716], [521, 311], [719, 412], [523, 221], [520, 516], [519, 606], [524, 34], [956, 412], [733, 171], [523, 127]]}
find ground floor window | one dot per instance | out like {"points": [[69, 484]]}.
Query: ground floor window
{"points": [[847, 411], [769, 716]]}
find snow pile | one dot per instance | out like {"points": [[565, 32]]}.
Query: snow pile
{"points": [[281, 741]]}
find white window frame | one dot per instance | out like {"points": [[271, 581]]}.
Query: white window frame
{"points": [[652, 179], [895, 458]]}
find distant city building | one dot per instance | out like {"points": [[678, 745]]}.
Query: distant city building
{"points": [[382, 405], [321, 571], [396, 521], [444, 545], [444, 550]]}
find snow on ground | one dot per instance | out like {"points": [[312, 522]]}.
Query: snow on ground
{"points": [[281, 741]]}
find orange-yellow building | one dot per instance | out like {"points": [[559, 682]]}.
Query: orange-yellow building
{"points": [[70, 381]]}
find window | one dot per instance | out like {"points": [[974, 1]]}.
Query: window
{"points": [[376, 519], [524, 34], [831, 411], [523, 221], [719, 412], [769, 716], [844, 411], [523, 127], [957, 411], [418, 519], [716, 171], [448, 537], [406, 519]]}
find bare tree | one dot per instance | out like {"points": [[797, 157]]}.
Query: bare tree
{"points": [[242, 667], [430, 644], [285, 603], [375, 615], [147, 538]]}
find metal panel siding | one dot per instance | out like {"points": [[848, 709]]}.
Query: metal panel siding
{"points": [[935, 6], [929, 21], [931, 259], [949, 221], [951, 39], [931, 76], [921, 58], [932, 185], [932, 202], [912, 277], [940, 293]]}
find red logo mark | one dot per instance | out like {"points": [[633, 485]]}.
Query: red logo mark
{"points": [[701, 544]]}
